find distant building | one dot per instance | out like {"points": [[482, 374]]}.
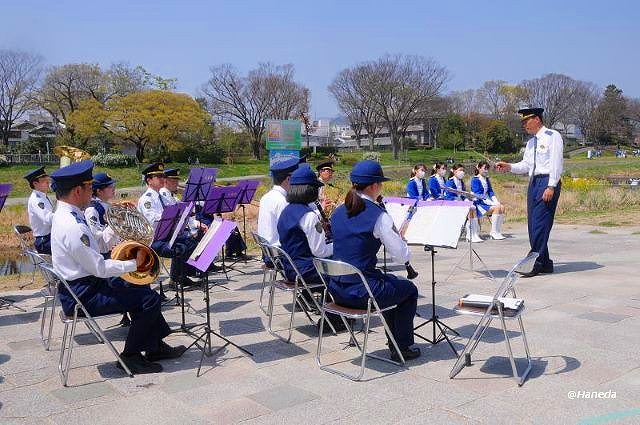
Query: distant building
{"points": [[40, 126]]}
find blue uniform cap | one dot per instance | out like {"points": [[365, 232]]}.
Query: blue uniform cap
{"points": [[304, 175], [153, 169], [285, 167], [102, 180], [367, 172], [172, 173], [35, 174], [73, 175]]}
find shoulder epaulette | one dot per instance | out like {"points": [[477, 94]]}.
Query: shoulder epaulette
{"points": [[549, 132]]}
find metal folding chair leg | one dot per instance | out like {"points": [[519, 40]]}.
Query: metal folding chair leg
{"points": [[46, 341]]}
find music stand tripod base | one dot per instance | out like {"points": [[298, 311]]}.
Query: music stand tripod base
{"points": [[8, 303], [437, 324]]}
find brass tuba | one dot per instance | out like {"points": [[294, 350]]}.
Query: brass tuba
{"points": [[69, 154], [137, 233]]}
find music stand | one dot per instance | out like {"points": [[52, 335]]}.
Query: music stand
{"points": [[248, 190], [436, 224], [199, 183], [5, 189], [222, 200], [170, 224], [201, 258], [472, 252]]}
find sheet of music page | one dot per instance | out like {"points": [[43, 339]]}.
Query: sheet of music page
{"points": [[398, 213], [213, 227], [437, 225]]}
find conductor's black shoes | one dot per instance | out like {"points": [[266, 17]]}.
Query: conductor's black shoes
{"points": [[165, 352], [138, 365], [407, 353]]}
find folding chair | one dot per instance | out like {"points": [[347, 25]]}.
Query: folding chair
{"points": [[80, 314], [333, 268], [496, 310], [49, 293], [25, 237], [268, 270], [279, 258]]}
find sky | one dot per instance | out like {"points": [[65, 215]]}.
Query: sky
{"points": [[594, 41]]}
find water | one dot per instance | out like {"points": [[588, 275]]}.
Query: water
{"points": [[9, 266]]}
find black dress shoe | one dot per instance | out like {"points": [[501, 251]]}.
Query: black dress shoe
{"points": [[408, 354], [547, 269], [165, 351], [138, 365]]}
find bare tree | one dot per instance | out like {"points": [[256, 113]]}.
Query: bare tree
{"points": [[66, 86], [556, 93], [586, 102], [399, 87], [19, 76], [491, 97], [266, 92], [466, 102], [344, 90]]}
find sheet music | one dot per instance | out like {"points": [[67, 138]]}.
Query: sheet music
{"points": [[213, 227], [437, 223], [398, 213], [180, 225]]}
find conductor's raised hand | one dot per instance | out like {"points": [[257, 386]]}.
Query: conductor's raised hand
{"points": [[503, 166]]}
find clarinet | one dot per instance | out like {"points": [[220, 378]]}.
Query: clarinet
{"points": [[411, 272], [326, 224]]}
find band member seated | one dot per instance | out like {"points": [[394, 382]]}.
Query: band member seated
{"points": [[437, 181], [360, 226], [274, 201], [302, 232], [456, 181], [325, 175], [40, 209], [170, 188], [151, 205], [417, 186], [104, 190], [488, 203], [94, 280]]}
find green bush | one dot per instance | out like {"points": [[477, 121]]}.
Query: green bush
{"points": [[372, 156], [113, 160]]}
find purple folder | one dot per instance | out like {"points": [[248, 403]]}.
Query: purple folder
{"points": [[221, 200], [397, 200], [170, 217], [247, 190], [5, 189], [211, 244], [199, 184]]}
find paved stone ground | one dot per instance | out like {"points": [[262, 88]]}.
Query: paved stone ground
{"points": [[582, 324]]}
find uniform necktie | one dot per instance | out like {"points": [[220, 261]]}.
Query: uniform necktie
{"points": [[161, 201], [535, 150]]}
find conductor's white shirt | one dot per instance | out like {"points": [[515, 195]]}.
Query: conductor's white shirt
{"points": [[74, 250], [548, 148], [40, 211], [271, 205], [385, 230]]}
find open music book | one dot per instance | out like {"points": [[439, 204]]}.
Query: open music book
{"points": [[437, 223]]}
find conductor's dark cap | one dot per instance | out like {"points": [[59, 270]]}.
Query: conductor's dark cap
{"points": [[526, 113], [172, 173], [366, 172], [155, 168], [35, 174], [102, 180], [73, 175], [327, 165]]}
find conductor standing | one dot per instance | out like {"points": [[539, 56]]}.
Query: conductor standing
{"points": [[543, 162]]}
